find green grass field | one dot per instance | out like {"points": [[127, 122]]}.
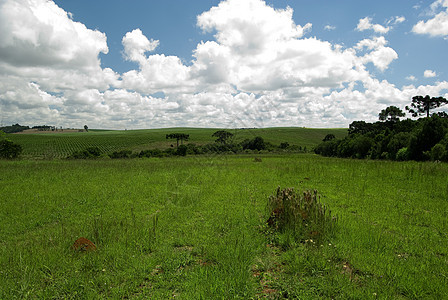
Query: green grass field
{"points": [[60, 145], [193, 228]]}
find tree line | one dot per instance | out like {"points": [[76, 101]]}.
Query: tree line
{"points": [[391, 138], [224, 144]]}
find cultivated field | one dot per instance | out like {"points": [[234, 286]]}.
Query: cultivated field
{"points": [[49, 145], [195, 228]]}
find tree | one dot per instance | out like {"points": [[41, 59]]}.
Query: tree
{"points": [[284, 145], [181, 150], [442, 114], [9, 149], [421, 105], [222, 136], [329, 137], [255, 144], [392, 113], [86, 128], [430, 133], [360, 127], [14, 128], [179, 137]]}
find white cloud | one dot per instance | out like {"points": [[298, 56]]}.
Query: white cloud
{"points": [[429, 74], [36, 33], [365, 24], [40, 43], [396, 20], [329, 27], [411, 78], [136, 44], [260, 48], [381, 56], [249, 25], [438, 25], [259, 70]]}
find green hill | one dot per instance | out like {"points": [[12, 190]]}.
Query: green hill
{"points": [[61, 144]]}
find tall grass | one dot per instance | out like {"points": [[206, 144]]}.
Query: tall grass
{"points": [[190, 228], [300, 214]]}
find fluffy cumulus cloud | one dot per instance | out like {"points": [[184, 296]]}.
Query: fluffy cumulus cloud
{"points": [[365, 24], [438, 24], [260, 69], [43, 54], [381, 56], [136, 44], [429, 74]]}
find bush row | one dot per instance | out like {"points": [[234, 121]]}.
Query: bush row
{"points": [[247, 146]]}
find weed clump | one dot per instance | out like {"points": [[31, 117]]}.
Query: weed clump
{"points": [[301, 215]]}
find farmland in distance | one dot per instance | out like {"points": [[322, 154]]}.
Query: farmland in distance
{"points": [[60, 145]]}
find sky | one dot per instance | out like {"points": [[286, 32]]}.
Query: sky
{"points": [[113, 64]]}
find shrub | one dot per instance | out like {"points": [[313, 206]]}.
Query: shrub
{"points": [[9, 149], [402, 154], [328, 148], [256, 143], [284, 145], [361, 146], [301, 214], [181, 150], [438, 152], [121, 154], [397, 142], [328, 137]]}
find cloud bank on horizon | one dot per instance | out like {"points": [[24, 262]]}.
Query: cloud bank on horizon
{"points": [[260, 69]]}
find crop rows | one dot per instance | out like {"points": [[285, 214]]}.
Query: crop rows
{"points": [[62, 145]]}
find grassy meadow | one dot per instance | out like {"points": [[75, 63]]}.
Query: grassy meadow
{"points": [[195, 228], [50, 145]]}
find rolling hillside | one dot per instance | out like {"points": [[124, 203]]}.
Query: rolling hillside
{"points": [[61, 144]]}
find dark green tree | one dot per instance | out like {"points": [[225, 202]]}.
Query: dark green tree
{"points": [[329, 137], [256, 143], [9, 149], [284, 145], [181, 150], [86, 128], [442, 114], [422, 105], [222, 136], [179, 137], [360, 127], [391, 113], [432, 130], [14, 128]]}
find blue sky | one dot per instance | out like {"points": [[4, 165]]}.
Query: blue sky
{"points": [[233, 63]]}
